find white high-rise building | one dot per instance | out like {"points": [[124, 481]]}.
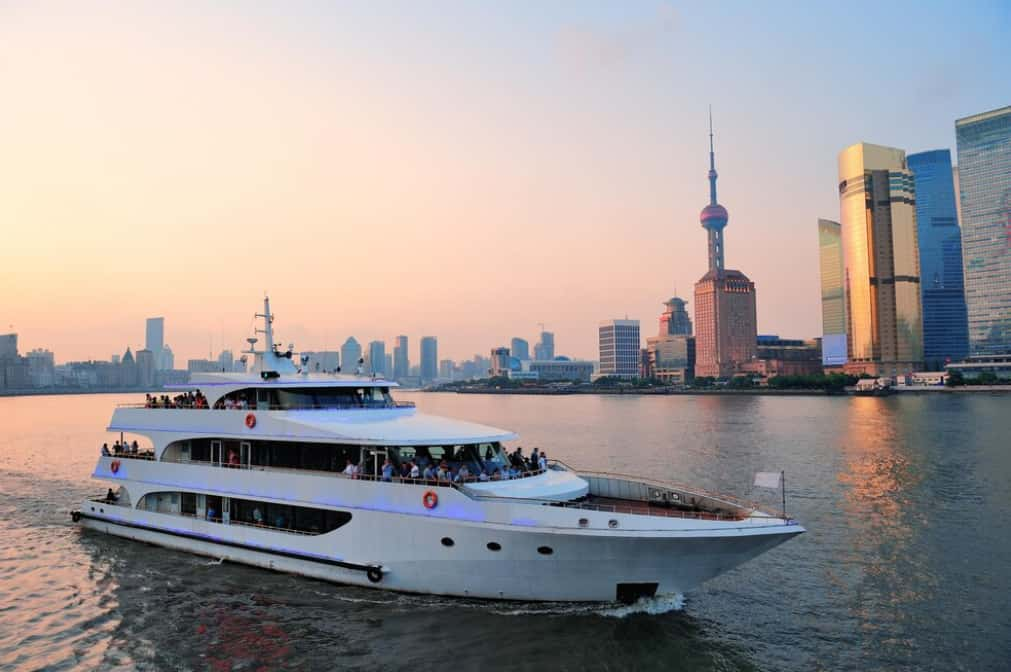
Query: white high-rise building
{"points": [[155, 339], [619, 348], [351, 352]]}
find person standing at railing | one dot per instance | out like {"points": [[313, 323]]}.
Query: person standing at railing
{"points": [[542, 461], [388, 470], [257, 515], [105, 450]]}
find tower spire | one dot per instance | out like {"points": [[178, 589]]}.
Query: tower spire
{"points": [[712, 161]]}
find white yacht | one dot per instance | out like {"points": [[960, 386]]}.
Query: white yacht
{"points": [[302, 472]]}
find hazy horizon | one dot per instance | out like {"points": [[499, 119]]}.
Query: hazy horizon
{"points": [[385, 169]]}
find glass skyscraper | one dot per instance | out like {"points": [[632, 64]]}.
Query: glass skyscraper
{"points": [[429, 358], [833, 299], [984, 170], [884, 323], [945, 326]]}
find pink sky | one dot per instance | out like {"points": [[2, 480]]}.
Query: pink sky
{"points": [[464, 175]]}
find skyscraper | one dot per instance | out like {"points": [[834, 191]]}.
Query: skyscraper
{"points": [[544, 349], [429, 359], [520, 349], [155, 339], [670, 355], [726, 324], [942, 290], [675, 321], [351, 352], [984, 171], [884, 324], [401, 362], [833, 299], [619, 348], [377, 358]]}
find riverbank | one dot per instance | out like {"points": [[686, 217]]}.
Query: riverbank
{"points": [[632, 391]]}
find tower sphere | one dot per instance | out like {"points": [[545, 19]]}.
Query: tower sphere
{"points": [[714, 216]]}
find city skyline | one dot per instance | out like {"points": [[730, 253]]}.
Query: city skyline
{"points": [[125, 208]]}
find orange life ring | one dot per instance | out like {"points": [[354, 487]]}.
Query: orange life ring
{"points": [[250, 420], [114, 466], [430, 500]]}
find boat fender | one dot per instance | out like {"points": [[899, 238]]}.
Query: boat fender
{"points": [[75, 516], [250, 420], [430, 500], [375, 574], [114, 465]]}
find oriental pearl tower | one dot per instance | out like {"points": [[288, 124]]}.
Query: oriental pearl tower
{"points": [[714, 216], [725, 313]]}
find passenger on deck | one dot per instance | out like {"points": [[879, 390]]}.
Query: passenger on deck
{"points": [[388, 470], [105, 449], [542, 462], [463, 475], [211, 513], [116, 448], [110, 496], [233, 458], [257, 515], [444, 472], [483, 476], [488, 454], [229, 404], [351, 470], [414, 472], [517, 458], [134, 447], [496, 475], [429, 473]]}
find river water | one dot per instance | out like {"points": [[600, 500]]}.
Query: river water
{"points": [[906, 564]]}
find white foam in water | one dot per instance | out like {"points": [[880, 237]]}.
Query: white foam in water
{"points": [[661, 604]]}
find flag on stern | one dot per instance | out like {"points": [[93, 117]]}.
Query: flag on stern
{"points": [[769, 479]]}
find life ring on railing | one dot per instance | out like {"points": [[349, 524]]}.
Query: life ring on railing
{"points": [[114, 466], [250, 420], [375, 574], [75, 516], [430, 500]]}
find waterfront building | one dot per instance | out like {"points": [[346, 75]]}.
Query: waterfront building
{"points": [[520, 349], [833, 298], [884, 324], [544, 350], [401, 362], [942, 289], [226, 361], [447, 369], [168, 359], [674, 320], [500, 364], [619, 348], [128, 369], [388, 372], [8, 346], [976, 366], [14, 370], [670, 355], [562, 370], [726, 322], [984, 170], [429, 359], [146, 368], [155, 339], [775, 356], [41, 368], [351, 354], [377, 358]]}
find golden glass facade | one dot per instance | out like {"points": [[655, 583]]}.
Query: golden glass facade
{"points": [[884, 323]]}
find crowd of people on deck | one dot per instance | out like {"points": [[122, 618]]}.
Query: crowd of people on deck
{"points": [[424, 468], [120, 448], [185, 400]]}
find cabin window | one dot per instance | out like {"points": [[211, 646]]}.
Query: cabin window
{"points": [[188, 504]]}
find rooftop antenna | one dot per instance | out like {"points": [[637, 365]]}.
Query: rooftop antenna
{"points": [[712, 161]]}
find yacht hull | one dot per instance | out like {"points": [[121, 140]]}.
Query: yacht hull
{"points": [[408, 554]]}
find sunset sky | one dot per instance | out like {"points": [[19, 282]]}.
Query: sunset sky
{"points": [[457, 169]]}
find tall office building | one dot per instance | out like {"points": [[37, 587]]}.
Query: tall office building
{"points": [[833, 299], [377, 358], [674, 321], [884, 323], [726, 323], [984, 171], [155, 339], [401, 362], [520, 349], [544, 349], [619, 348], [670, 355], [429, 359], [942, 289], [351, 352], [388, 371]]}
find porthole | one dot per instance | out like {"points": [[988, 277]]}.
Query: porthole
{"points": [[612, 523], [545, 550], [446, 541], [494, 546], [583, 522]]}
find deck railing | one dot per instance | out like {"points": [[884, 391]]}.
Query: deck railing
{"points": [[368, 406]]}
